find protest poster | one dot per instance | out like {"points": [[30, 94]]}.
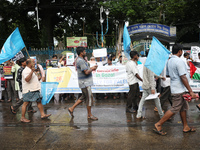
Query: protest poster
{"points": [[7, 72], [54, 63], [194, 53], [100, 52], [18, 56], [35, 60], [70, 59]]}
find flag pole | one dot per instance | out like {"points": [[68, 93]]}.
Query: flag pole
{"points": [[27, 52]]}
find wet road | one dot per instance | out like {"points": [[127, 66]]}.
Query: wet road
{"points": [[114, 130]]}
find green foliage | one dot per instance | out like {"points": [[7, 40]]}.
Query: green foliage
{"points": [[73, 16]]}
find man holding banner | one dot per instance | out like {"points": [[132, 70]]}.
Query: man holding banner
{"points": [[85, 81]]}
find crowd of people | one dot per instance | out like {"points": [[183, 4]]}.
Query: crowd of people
{"points": [[25, 85]]}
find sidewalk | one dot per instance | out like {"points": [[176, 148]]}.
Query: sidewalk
{"points": [[114, 130]]}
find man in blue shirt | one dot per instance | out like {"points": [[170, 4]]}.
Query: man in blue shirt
{"points": [[85, 82], [177, 71]]}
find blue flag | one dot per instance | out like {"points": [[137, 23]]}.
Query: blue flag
{"points": [[157, 57], [126, 42], [48, 89], [12, 46]]}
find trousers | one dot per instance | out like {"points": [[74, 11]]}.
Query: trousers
{"points": [[147, 92]]}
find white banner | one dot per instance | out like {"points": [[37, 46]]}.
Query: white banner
{"points": [[106, 79]]}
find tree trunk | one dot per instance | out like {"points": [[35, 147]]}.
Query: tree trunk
{"points": [[120, 34], [48, 26]]}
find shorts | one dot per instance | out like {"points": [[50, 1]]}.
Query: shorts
{"points": [[34, 96], [87, 96], [178, 103]]}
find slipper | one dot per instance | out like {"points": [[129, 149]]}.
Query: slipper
{"points": [[25, 120], [12, 111], [198, 107], [32, 111], [46, 116], [93, 118], [70, 113], [160, 132], [141, 117], [191, 130]]}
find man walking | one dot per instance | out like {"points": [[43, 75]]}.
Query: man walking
{"points": [[149, 87], [22, 63], [133, 79], [85, 82], [177, 70], [31, 90]]}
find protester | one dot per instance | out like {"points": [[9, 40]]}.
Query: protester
{"points": [[186, 60], [22, 63], [148, 87], [85, 82], [177, 70], [133, 78], [14, 70], [31, 90], [11, 85]]}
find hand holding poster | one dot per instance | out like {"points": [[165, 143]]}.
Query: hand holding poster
{"points": [[70, 59], [35, 61], [100, 52], [7, 72]]}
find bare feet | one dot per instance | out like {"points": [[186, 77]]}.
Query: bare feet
{"points": [[142, 117], [25, 120]]}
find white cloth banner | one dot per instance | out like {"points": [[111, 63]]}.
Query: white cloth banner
{"points": [[107, 79]]}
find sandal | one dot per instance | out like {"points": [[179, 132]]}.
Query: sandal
{"points": [[46, 116], [25, 120], [160, 132], [93, 118], [32, 111], [12, 111], [70, 112], [191, 130]]}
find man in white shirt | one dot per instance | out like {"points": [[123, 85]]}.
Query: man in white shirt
{"points": [[133, 78], [31, 90]]}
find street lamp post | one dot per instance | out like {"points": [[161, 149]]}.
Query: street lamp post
{"points": [[101, 22]]}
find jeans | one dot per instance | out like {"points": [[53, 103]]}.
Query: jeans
{"points": [[147, 92]]}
